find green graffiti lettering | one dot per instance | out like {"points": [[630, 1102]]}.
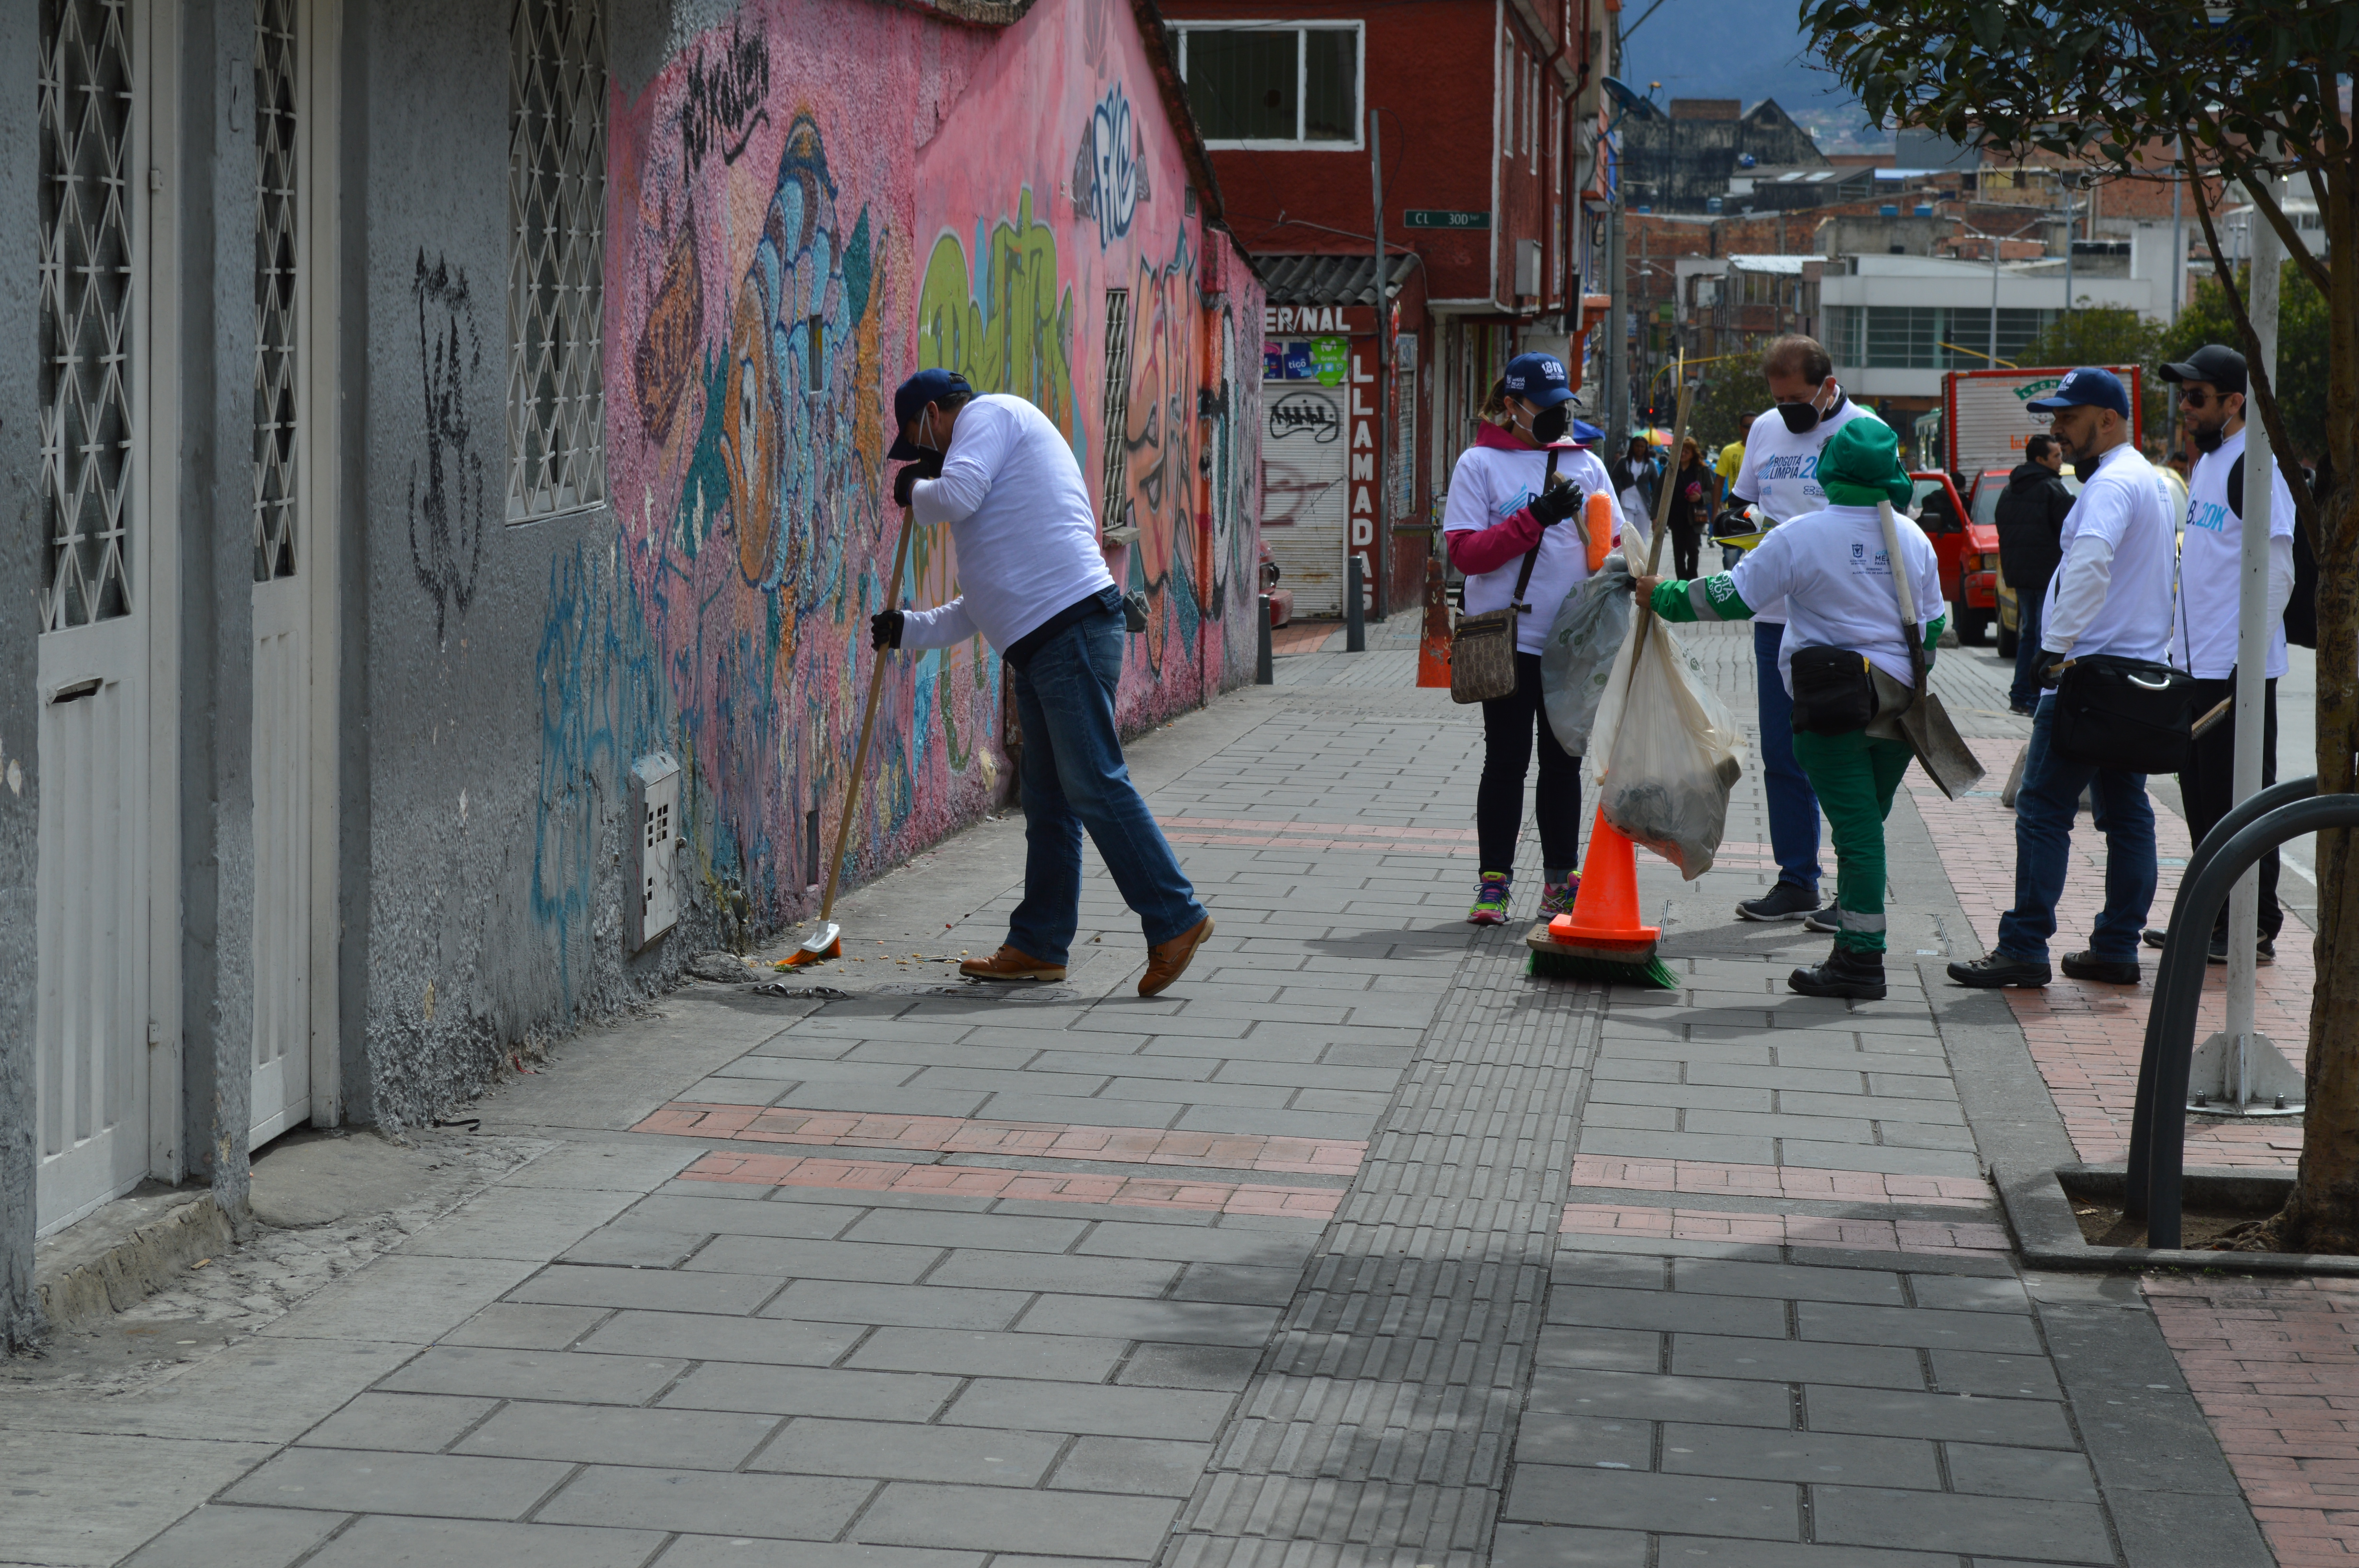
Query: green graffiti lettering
{"points": [[1020, 338]]}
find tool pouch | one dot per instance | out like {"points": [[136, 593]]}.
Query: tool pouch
{"points": [[1834, 693]]}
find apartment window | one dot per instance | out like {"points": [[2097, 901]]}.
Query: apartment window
{"points": [[1113, 415], [85, 105], [1270, 84], [556, 205], [1913, 337]]}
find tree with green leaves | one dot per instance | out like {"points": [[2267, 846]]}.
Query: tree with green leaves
{"points": [[2248, 93], [2107, 335], [2301, 377]]}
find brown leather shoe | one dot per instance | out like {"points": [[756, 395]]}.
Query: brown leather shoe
{"points": [[1011, 964], [1166, 960]]}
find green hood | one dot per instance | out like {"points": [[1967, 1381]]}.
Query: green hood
{"points": [[1860, 465]]}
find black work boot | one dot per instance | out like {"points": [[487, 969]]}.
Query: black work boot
{"points": [[1999, 970], [1846, 973]]}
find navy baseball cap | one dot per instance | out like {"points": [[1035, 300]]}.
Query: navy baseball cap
{"points": [[1538, 379], [926, 387], [2088, 387]]}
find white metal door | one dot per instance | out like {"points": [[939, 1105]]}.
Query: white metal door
{"points": [[1302, 491], [289, 682], [93, 662]]}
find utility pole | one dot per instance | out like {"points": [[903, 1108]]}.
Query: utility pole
{"points": [[1618, 398], [1385, 392]]}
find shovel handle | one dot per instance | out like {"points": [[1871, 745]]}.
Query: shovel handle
{"points": [[867, 727]]}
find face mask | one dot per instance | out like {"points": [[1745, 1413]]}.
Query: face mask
{"points": [[1549, 424], [926, 429], [1803, 418], [2206, 440]]}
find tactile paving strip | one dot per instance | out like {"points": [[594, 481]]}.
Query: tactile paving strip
{"points": [[1377, 1427]]}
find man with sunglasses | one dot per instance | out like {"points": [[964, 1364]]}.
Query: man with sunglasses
{"points": [[2204, 620], [1779, 474]]}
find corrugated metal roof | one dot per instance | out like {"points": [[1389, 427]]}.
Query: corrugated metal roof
{"points": [[1327, 279]]}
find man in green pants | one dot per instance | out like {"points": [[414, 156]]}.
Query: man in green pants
{"points": [[1846, 665]]}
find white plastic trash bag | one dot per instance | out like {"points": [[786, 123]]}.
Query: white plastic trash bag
{"points": [[1665, 751], [1577, 660]]}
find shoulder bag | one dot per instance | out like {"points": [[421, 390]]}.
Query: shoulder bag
{"points": [[1483, 647], [2131, 715], [1925, 724]]}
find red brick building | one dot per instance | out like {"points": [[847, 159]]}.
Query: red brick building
{"points": [[1486, 115]]}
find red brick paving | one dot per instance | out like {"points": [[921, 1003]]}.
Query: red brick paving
{"points": [[1785, 1229], [2275, 1365], [1036, 1140], [1045, 1187], [2086, 1037], [1777, 1182]]}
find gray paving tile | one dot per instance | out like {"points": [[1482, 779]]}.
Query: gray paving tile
{"points": [[1795, 1361], [795, 1507], [793, 1258], [1814, 1457], [1700, 1097], [842, 1096], [418, 1424], [1557, 1546], [934, 1227], [1592, 1440], [1132, 1466], [2032, 1423], [535, 1375], [2000, 1377], [352, 1480], [1914, 1108], [1026, 1080], [222, 1535], [1037, 1271], [918, 1306], [807, 1070], [386, 1542], [1093, 1409], [656, 1290], [631, 1246], [1717, 1148], [784, 1341], [1666, 1310], [1225, 1367], [401, 1298], [735, 1090], [1650, 1396], [1119, 1238], [741, 1552], [1603, 1349], [2005, 1333], [977, 1354], [1633, 1500], [1963, 1293], [1885, 1158], [1236, 1282], [1116, 1317], [2020, 1473], [897, 1451], [919, 1514], [1788, 1281], [810, 1390], [1756, 1124], [516, 1326], [2016, 1527], [603, 1434], [1278, 1123], [1107, 1112]]}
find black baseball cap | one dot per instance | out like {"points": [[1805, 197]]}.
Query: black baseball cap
{"points": [[2217, 365], [926, 387]]}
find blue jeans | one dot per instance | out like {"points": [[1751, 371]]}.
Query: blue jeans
{"points": [[2044, 809], [2025, 692], [1074, 777], [1793, 809]]}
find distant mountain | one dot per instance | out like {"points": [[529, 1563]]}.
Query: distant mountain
{"points": [[1748, 49]]}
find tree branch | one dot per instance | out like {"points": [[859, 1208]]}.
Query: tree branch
{"points": [[2266, 202], [2261, 394]]}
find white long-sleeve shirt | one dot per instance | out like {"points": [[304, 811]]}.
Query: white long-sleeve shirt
{"points": [[1020, 518], [2112, 595], [2212, 566]]}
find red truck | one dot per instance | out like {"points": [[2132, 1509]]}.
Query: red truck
{"points": [[1968, 552]]}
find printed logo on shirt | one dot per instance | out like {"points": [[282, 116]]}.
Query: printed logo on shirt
{"points": [[1878, 565], [1791, 465], [1720, 589], [2209, 515]]}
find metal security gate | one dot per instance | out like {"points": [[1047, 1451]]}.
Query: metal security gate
{"points": [[293, 946], [1302, 491], [100, 643]]}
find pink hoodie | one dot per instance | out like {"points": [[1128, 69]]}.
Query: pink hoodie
{"points": [[1477, 550]]}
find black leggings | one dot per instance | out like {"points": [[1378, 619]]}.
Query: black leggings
{"points": [[1508, 724]]}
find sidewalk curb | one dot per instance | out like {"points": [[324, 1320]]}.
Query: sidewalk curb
{"points": [[2039, 1212]]}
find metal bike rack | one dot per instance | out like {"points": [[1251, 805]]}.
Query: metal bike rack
{"points": [[2158, 1127]]}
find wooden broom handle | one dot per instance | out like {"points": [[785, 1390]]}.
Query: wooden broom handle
{"points": [[867, 727]]}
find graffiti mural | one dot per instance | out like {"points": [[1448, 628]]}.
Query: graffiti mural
{"points": [[446, 489], [1110, 171]]}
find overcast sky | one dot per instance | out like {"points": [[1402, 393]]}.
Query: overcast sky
{"points": [[1748, 50]]}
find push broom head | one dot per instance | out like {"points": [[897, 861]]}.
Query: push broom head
{"points": [[826, 942]]}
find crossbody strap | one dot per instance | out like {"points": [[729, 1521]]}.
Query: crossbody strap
{"points": [[1524, 577]]}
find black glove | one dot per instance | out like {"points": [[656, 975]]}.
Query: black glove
{"points": [[905, 482], [885, 627], [1559, 501], [2051, 667]]}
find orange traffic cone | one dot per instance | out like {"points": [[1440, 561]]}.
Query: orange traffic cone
{"points": [[1433, 649], [1602, 939]]}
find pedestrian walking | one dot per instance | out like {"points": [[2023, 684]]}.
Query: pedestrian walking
{"points": [[1635, 478], [1510, 495], [1780, 475], [1834, 573], [2030, 519], [1034, 586], [1731, 462], [2203, 627], [1693, 489], [2111, 596]]}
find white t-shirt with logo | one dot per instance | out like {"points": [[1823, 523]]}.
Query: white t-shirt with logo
{"points": [[1490, 485], [1832, 572], [1780, 474], [2210, 566], [2114, 599]]}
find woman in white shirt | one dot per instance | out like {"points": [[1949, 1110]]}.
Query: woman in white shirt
{"points": [[1507, 494]]}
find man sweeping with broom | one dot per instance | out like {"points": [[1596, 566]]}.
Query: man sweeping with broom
{"points": [[1034, 586], [1843, 662]]}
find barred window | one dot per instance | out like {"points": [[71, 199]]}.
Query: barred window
{"points": [[1114, 409], [556, 206]]}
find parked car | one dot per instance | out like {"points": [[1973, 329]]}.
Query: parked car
{"points": [[1281, 599], [1968, 551]]}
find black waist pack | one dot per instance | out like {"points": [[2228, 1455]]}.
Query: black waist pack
{"points": [[2133, 715], [1834, 694]]}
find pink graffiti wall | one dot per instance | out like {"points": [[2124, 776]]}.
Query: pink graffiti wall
{"points": [[781, 255]]}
